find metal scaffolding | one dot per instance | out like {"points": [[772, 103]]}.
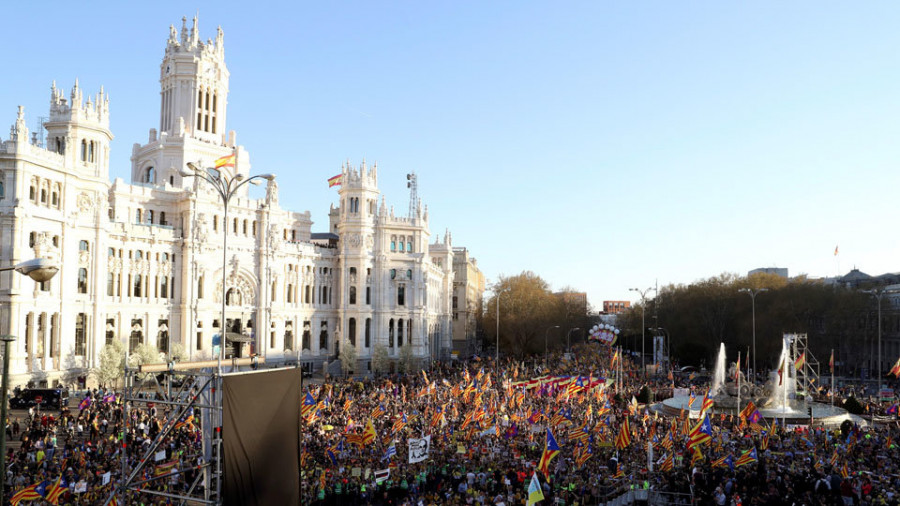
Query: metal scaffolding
{"points": [[186, 388], [808, 374]]}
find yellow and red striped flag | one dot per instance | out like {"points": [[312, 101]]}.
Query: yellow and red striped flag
{"points": [[225, 161], [336, 180]]}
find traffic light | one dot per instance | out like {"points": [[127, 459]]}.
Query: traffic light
{"points": [[809, 411]]}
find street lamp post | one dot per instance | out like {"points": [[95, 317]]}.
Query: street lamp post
{"points": [[226, 187], [568, 336], [40, 270], [643, 325], [545, 342], [497, 350], [878, 294], [753, 294]]}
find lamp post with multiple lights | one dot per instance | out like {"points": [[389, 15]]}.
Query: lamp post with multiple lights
{"points": [[643, 294], [226, 186], [753, 294], [878, 294]]}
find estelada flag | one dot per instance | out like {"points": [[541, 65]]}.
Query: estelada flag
{"points": [[225, 161], [551, 449], [335, 181]]}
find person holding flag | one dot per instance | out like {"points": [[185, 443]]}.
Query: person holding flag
{"points": [[535, 494], [551, 450]]}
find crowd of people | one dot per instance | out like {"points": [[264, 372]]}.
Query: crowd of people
{"points": [[488, 424], [74, 456]]}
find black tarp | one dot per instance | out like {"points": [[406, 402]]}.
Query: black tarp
{"points": [[261, 438]]}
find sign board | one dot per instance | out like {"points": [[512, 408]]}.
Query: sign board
{"points": [[886, 394], [38, 399]]}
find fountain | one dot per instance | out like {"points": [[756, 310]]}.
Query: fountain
{"points": [[781, 397], [718, 381]]}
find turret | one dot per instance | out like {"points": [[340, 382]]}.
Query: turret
{"points": [[79, 130], [194, 85]]}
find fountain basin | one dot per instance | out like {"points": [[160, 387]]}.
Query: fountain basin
{"points": [[823, 414]]}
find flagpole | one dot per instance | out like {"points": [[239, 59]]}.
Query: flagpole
{"points": [[737, 378], [832, 376]]}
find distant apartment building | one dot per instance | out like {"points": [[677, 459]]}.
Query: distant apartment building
{"points": [[615, 306], [468, 290], [778, 271]]}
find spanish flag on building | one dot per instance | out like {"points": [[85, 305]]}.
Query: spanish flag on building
{"points": [[335, 181], [225, 161]]}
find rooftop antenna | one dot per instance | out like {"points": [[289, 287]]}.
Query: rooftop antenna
{"points": [[413, 186]]}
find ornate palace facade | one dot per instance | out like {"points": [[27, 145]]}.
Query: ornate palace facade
{"points": [[141, 261]]}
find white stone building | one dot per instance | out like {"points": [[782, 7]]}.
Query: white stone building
{"points": [[141, 261]]}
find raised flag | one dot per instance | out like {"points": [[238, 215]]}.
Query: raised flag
{"points": [[723, 461], [831, 362], [667, 463], [369, 433], [896, 369], [700, 434], [748, 457], [335, 181], [309, 403], [781, 372], [623, 439], [224, 161], [707, 403], [535, 494], [390, 452], [84, 404], [551, 450], [801, 360]]}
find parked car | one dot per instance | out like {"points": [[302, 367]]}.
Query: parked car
{"points": [[46, 398]]}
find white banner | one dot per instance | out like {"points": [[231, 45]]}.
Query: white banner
{"points": [[418, 449], [106, 477], [160, 455]]}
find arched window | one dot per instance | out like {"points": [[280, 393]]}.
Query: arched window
{"points": [[368, 332], [353, 295], [150, 216], [307, 335], [83, 150], [391, 333], [323, 336], [409, 246], [393, 243], [54, 197], [400, 333], [84, 246], [32, 192], [2, 190], [82, 280], [43, 195], [351, 331], [402, 244], [245, 227], [150, 175], [137, 334]]}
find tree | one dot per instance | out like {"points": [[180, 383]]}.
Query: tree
{"points": [[179, 354], [379, 358], [348, 357], [527, 309], [406, 358], [112, 363], [145, 354]]}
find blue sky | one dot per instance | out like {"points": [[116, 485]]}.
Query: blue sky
{"points": [[602, 145]]}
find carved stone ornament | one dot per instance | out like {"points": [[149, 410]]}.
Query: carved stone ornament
{"points": [[84, 258], [354, 240], [165, 267], [85, 203], [200, 227], [370, 241], [240, 284], [274, 237]]}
